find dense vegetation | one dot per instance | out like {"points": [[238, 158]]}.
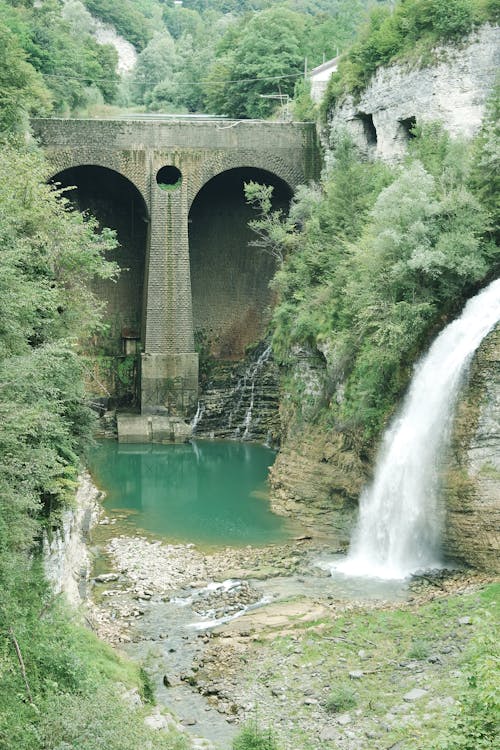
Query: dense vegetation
{"points": [[222, 58], [60, 686], [411, 30], [75, 70], [242, 59], [375, 261], [210, 56]]}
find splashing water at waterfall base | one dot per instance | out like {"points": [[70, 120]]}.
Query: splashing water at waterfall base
{"points": [[400, 516]]}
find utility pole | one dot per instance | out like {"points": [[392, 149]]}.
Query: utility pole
{"points": [[284, 100]]}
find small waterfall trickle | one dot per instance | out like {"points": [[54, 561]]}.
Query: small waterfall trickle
{"points": [[245, 388], [241, 400], [400, 516], [197, 417]]}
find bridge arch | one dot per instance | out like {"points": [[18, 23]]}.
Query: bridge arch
{"points": [[117, 203], [288, 172], [229, 278]]}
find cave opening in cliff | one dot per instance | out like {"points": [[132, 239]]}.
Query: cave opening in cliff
{"points": [[369, 129], [408, 126], [229, 278]]}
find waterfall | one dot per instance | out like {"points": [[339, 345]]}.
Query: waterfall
{"points": [[240, 400], [400, 516]]}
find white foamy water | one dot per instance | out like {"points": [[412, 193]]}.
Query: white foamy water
{"points": [[197, 417], [400, 514]]}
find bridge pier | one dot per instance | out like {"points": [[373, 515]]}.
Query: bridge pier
{"points": [[169, 364]]}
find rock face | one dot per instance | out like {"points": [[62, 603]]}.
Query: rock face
{"points": [[319, 467], [127, 55], [65, 555], [240, 400], [472, 490], [453, 90]]}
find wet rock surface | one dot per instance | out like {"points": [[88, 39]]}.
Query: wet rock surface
{"points": [[472, 487], [240, 400]]}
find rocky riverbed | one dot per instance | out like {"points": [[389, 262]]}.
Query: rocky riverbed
{"points": [[231, 634]]}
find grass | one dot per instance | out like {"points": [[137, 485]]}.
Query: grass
{"points": [[254, 737], [419, 650], [77, 686], [391, 646]]}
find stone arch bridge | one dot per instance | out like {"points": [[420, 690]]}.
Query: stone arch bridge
{"points": [[173, 191]]}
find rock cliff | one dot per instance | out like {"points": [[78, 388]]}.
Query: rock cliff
{"points": [[240, 400], [452, 90], [66, 555], [472, 492]]}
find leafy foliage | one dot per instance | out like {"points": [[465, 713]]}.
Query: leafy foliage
{"points": [[267, 56], [75, 684], [74, 67], [49, 254], [374, 265], [475, 725], [485, 171], [263, 55], [22, 91], [132, 19], [224, 57], [342, 698]]}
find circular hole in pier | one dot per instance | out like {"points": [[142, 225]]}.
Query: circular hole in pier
{"points": [[169, 178]]}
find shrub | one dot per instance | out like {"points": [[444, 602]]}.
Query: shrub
{"points": [[341, 698], [419, 650], [252, 737], [474, 724]]}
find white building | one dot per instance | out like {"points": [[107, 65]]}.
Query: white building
{"points": [[319, 78]]}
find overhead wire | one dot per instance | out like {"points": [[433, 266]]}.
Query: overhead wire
{"points": [[202, 81]]}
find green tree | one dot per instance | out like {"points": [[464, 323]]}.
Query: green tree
{"points": [[253, 737], [181, 21], [71, 62], [128, 17], [266, 60], [22, 91], [49, 254], [155, 65], [372, 264], [485, 173], [304, 109]]}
